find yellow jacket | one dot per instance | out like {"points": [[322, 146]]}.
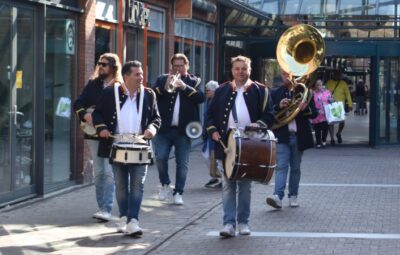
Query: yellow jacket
{"points": [[341, 92]]}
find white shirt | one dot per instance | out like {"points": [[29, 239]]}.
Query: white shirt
{"points": [[292, 126], [129, 122], [241, 108], [175, 116]]}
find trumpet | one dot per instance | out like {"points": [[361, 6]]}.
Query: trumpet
{"points": [[171, 86]]}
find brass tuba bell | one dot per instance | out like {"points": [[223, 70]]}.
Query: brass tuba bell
{"points": [[299, 52]]}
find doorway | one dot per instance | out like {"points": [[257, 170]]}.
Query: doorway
{"points": [[17, 83]]}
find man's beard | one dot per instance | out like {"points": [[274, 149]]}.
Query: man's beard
{"points": [[102, 76]]}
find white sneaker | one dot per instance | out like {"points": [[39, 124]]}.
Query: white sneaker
{"points": [[178, 199], [133, 228], [293, 201], [96, 215], [164, 192], [274, 201], [227, 231], [121, 224], [244, 229], [106, 216]]}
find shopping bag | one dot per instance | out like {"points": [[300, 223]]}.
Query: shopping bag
{"points": [[334, 112]]}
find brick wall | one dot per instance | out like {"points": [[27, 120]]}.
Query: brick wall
{"points": [[86, 51]]}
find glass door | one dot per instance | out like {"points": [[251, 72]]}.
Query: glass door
{"points": [[16, 97], [389, 100]]}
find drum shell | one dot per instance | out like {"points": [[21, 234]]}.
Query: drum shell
{"points": [[255, 159], [138, 155]]}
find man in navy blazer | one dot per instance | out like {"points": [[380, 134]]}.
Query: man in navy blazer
{"points": [[129, 178], [178, 108], [239, 103], [293, 139]]}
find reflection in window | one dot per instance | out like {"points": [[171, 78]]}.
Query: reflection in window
{"points": [[357, 7], [102, 42], [291, 7], [318, 7], [154, 60], [60, 75], [271, 7], [386, 7]]}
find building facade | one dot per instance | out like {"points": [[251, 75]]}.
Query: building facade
{"points": [[49, 49]]}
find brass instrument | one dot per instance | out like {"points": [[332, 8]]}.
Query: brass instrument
{"points": [[171, 86], [300, 51]]}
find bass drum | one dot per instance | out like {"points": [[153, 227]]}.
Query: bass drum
{"points": [[249, 157]]}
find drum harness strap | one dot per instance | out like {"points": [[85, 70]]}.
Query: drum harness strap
{"points": [[118, 108]]}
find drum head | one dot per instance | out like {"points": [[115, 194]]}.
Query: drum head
{"points": [[230, 155], [131, 146]]}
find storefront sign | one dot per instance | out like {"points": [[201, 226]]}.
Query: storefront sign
{"points": [[137, 14], [70, 37]]}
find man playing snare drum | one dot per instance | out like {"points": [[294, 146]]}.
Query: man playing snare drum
{"points": [[238, 103], [137, 113]]}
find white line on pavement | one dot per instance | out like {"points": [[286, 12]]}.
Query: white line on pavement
{"points": [[362, 185], [366, 185], [318, 235]]}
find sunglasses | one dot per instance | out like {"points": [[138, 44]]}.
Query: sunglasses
{"points": [[103, 64]]}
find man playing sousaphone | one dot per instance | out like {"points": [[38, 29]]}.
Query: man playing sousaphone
{"points": [[107, 72], [293, 138], [237, 104], [178, 97], [122, 110]]}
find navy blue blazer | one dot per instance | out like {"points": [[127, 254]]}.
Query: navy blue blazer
{"points": [[304, 134], [88, 98], [105, 115], [258, 102], [190, 98]]}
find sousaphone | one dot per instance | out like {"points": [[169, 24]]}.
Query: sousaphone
{"points": [[300, 51]]}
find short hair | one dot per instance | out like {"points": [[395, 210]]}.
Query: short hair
{"points": [[179, 56], [212, 85], [126, 69], [241, 58]]}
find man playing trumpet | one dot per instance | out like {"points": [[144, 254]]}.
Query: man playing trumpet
{"points": [[178, 97]]}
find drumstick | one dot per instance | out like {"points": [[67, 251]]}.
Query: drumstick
{"points": [[223, 146]]}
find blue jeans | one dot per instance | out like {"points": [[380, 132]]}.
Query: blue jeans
{"points": [[162, 147], [129, 182], [103, 178], [287, 153], [233, 207]]}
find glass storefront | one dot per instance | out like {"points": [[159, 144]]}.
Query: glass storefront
{"points": [[60, 78], [389, 100], [17, 83], [155, 45]]}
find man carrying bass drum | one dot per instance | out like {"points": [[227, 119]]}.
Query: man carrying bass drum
{"points": [[107, 72], [236, 104]]}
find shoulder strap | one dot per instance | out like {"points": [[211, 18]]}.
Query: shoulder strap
{"points": [[337, 84], [117, 106], [266, 96]]}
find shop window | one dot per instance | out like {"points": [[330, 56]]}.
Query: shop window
{"points": [[60, 76], [131, 45], [154, 57], [105, 40]]}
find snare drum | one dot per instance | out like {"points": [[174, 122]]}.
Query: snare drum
{"points": [[131, 153], [252, 158]]}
